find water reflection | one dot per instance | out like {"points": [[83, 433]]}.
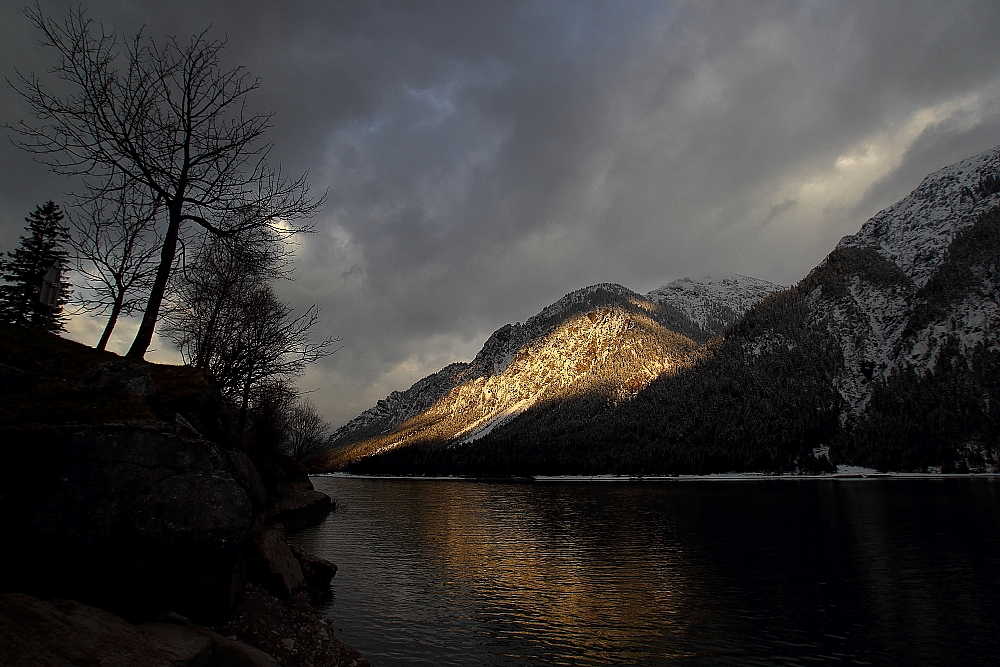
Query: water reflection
{"points": [[737, 573]]}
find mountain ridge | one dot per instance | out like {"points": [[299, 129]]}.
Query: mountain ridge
{"points": [[641, 329], [886, 355]]}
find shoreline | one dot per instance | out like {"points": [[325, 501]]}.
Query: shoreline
{"points": [[856, 474]]}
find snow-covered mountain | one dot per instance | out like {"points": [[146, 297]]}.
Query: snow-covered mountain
{"points": [[713, 303], [602, 339], [874, 321], [916, 232], [886, 355]]}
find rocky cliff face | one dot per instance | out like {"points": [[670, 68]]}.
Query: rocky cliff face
{"points": [[137, 516]]}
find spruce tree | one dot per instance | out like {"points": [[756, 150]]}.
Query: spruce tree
{"points": [[25, 268]]}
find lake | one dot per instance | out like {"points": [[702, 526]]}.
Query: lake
{"points": [[749, 572]]}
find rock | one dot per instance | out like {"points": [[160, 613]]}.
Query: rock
{"points": [[248, 475], [119, 376], [317, 571], [179, 643], [193, 395], [137, 518], [273, 565], [66, 633], [296, 504], [263, 621], [234, 653], [300, 508], [202, 507], [196, 645]]}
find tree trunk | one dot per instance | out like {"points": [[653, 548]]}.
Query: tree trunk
{"points": [[144, 336], [244, 404], [116, 310], [208, 349]]}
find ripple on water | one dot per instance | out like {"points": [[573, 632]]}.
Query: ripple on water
{"points": [[882, 572]]}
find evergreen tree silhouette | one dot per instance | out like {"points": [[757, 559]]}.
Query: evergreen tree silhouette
{"points": [[24, 269]]}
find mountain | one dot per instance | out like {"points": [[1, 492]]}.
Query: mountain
{"points": [[711, 304], [604, 341], [886, 355]]}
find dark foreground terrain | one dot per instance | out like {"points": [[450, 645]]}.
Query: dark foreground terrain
{"points": [[140, 528]]}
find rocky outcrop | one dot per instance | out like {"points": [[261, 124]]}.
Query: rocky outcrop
{"points": [[273, 564], [294, 502], [126, 488], [122, 376], [137, 517], [60, 633]]}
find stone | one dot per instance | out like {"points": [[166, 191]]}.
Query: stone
{"points": [[194, 645], [273, 565], [119, 376], [250, 478], [64, 633], [179, 643], [137, 518], [299, 508], [317, 571]]}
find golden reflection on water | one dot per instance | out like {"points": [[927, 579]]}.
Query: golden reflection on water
{"points": [[539, 558]]}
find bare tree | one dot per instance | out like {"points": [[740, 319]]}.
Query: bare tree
{"points": [[226, 317], [307, 430], [166, 119], [209, 291], [280, 420], [116, 246], [266, 342]]}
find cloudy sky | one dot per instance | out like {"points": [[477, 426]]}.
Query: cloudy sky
{"points": [[482, 159]]}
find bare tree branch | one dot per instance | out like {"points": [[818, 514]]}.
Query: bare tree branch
{"points": [[163, 119], [115, 243]]}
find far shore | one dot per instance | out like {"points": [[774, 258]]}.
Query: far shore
{"points": [[848, 473]]}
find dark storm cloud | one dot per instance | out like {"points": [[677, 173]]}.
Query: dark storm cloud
{"points": [[483, 159]]}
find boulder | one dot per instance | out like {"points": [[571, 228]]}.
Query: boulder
{"points": [[272, 563], [66, 633], [317, 571], [194, 645], [295, 503], [138, 518], [299, 508]]}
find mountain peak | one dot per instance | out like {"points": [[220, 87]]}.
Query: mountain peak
{"points": [[915, 233], [713, 302]]}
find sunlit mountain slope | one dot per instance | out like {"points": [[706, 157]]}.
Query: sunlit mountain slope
{"points": [[604, 342]]}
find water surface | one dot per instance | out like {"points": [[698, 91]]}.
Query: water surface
{"points": [[769, 572]]}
